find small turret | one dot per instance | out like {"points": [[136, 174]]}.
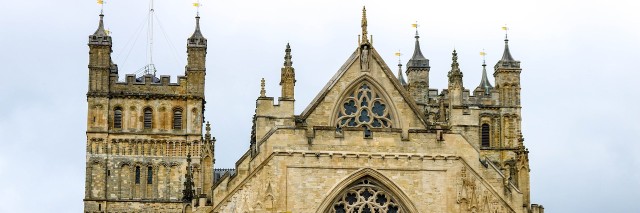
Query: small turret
{"points": [[418, 74], [507, 74], [100, 64], [196, 61], [287, 76]]}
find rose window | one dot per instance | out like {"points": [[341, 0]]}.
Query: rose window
{"points": [[364, 108], [365, 197]]}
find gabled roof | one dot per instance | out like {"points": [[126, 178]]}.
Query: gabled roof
{"points": [[375, 57]]}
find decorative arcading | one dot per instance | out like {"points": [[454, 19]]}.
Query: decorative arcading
{"points": [[143, 147]]}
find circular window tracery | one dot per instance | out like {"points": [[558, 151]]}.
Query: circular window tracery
{"points": [[364, 107], [365, 197]]}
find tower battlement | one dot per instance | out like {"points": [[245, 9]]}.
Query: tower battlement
{"points": [[143, 131]]}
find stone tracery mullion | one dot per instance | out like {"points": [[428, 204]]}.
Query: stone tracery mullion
{"points": [[365, 112], [371, 201]]}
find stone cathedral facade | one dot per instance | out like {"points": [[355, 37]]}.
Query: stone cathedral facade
{"points": [[369, 142]]}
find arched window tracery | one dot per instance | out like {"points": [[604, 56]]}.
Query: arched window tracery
{"points": [[366, 195], [364, 107]]}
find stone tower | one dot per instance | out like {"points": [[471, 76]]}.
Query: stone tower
{"points": [[141, 130], [418, 74]]}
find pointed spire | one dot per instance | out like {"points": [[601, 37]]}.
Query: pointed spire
{"points": [[485, 85], [197, 39], [506, 56], [455, 75], [365, 40], [417, 60], [188, 192], [100, 36], [287, 56], [287, 76], [454, 64], [197, 33], [100, 31], [400, 77], [507, 60]]}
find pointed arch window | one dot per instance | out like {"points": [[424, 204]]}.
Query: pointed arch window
{"points": [[149, 175], [148, 118], [117, 118], [366, 196], [137, 175], [177, 119], [364, 107], [485, 135]]}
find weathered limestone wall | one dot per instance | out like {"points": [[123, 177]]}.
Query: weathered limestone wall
{"points": [[293, 176], [133, 206], [101, 112]]}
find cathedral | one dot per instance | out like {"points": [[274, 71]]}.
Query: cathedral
{"points": [[370, 141]]}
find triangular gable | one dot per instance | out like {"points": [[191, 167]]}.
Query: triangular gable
{"points": [[349, 66]]}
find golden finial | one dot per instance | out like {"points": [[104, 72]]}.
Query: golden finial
{"points": [[197, 5], [263, 92], [416, 26], [484, 55], [506, 31], [364, 26], [101, 3]]}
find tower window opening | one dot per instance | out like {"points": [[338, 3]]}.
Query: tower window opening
{"points": [[149, 175], [177, 119], [485, 135], [137, 175], [148, 116], [117, 118]]}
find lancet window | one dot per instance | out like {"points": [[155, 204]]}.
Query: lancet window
{"points": [[149, 175], [117, 118], [137, 175], [366, 196], [177, 118], [485, 135], [148, 116], [364, 107]]}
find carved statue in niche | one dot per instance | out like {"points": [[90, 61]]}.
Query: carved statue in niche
{"points": [[364, 58]]}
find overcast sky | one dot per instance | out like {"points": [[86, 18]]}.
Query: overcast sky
{"points": [[579, 80]]}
